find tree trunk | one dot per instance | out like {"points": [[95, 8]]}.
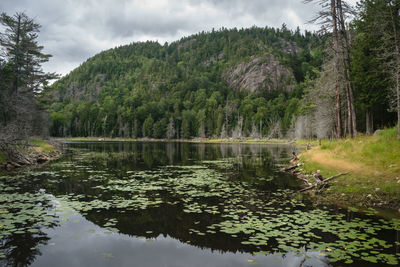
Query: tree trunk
{"points": [[17, 55], [348, 120], [337, 69], [398, 96], [353, 111], [351, 114], [369, 122]]}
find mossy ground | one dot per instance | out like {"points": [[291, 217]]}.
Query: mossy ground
{"points": [[41, 145], [35, 146], [3, 157], [373, 163]]}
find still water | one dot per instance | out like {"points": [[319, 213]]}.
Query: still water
{"points": [[180, 204]]}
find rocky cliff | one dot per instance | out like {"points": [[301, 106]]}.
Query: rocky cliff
{"points": [[260, 72]]}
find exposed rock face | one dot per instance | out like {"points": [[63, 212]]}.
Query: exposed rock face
{"points": [[86, 92], [289, 47], [213, 59], [258, 73], [187, 43]]}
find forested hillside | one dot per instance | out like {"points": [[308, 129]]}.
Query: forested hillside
{"points": [[236, 83], [257, 82]]}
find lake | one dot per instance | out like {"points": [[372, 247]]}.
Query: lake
{"points": [[180, 204]]}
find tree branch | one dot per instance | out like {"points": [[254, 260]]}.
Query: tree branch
{"points": [[323, 182]]}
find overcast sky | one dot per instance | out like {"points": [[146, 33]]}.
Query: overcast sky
{"points": [[74, 30]]}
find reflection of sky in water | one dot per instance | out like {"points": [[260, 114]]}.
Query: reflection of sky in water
{"points": [[72, 245], [202, 205]]}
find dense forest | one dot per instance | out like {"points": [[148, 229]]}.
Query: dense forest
{"points": [[219, 83]]}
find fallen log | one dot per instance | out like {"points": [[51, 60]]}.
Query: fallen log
{"points": [[305, 181], [323, 182], [290, 168]]}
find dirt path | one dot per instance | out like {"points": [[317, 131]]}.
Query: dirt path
{"points": [[331, 161]]}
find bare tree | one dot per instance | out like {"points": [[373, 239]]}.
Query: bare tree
{"points": [[202, 130], [238, 131], [171, 129], [319, 105], [224, 133], [332, 18], [255, 131], [323, 95], [229, 109], [274, 127]]}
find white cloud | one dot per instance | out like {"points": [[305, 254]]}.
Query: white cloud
{"points": [[74, 30]]}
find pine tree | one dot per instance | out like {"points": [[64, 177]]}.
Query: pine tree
{"points": [[23, 52], [22, 78], [148, 126]]}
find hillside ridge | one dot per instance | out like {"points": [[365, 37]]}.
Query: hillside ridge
{"points": [[219, 83]]}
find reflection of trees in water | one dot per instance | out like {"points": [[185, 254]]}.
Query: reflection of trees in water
{"points": [[170, 220], [246, 163], [136, 155], [170, 152], [28, 209], [22, 249]]}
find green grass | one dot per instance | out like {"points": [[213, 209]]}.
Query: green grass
{"points": [[373, 163], [3, 157], [245, 141], [96, 139], [312, 142], [41, 145]]}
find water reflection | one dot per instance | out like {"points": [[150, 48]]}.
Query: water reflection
{"points": [[22, 249], [181, 204]]}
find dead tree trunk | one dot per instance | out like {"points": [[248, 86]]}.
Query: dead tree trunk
{"points": [[323, 182], [345, 49], [348, 111], [337, 69]]}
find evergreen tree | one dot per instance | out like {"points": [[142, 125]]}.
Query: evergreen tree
{"points": [[148, 126], [22, 78], [23, 52]]}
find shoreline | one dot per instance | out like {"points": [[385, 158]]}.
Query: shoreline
{"points": [[195, 140], [369, 168], [352, 189], [36, 153]]}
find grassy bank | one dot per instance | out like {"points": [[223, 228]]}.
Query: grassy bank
{"points": [[3, 157], [40, 145], [30, 152], [373, 163]]}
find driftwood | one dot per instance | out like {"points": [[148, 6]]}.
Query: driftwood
{"points": [[323, 182], [290, 168]]}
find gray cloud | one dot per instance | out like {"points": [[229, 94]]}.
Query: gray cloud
{"points": [[74, 30]]}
